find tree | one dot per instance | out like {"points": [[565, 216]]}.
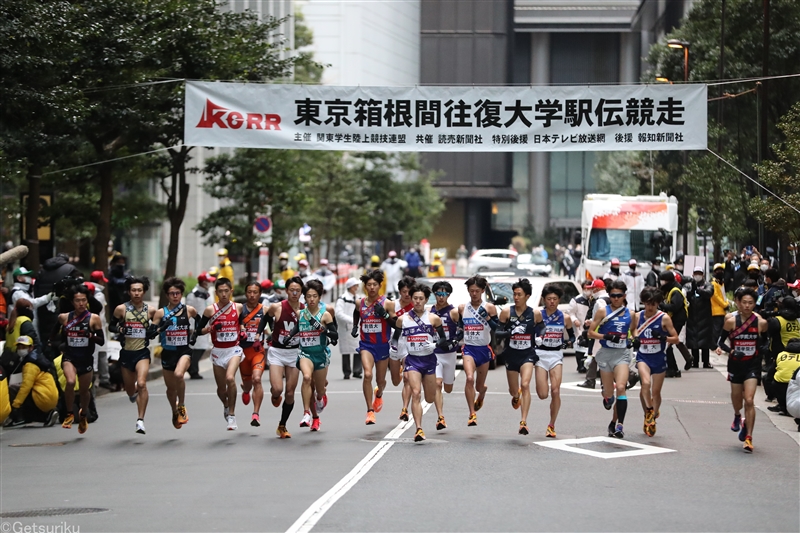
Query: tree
{"points": [[306, 70], [781, 177], [628, 173]]}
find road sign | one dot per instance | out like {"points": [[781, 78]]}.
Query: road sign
{"points": [[262, 228]]}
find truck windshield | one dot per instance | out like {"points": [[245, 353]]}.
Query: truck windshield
{"points": [[624, 244]]}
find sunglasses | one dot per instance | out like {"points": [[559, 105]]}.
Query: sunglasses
{"points": [[441, 294], [616, 295]]}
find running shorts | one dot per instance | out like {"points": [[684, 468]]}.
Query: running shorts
{"points": [[424, 364], [514, 362], [656, 362], [480, 354], [610, 358], [83, 363], [283, 356], [446, 367], [740, 370], [321, 361], [399, 353], [170, 358], [129, 359], [253, 360], [222, 356], [380, 352]]}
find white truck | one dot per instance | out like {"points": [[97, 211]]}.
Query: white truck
{"points": [[626, 227]]}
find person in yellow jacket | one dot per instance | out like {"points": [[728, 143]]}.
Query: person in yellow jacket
{"points": [[35, 399], [436, 268], [719, 301], [5, 405], [287, 272], [21, 323], [225, 267], [375, 264]]}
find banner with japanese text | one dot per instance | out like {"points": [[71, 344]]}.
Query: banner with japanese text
{"points": [[447, 119]]}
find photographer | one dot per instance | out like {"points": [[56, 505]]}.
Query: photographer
{"points": [[53, 271]]}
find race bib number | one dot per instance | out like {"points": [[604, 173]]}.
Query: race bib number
{"points": [[136, 331], [176, 338], [473, 333], [520, 342], [309, 339], [553, 336], [78, 342], [621, 344], [227, 336], [372, 326], [650, 346], [251, 336], [748, 348], [418, 343]]}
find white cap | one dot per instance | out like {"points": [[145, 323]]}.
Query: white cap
{"points": [[352, 282], [632, 262], [392, 254]]}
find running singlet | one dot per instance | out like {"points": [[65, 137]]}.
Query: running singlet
{"points": [[745, 342], [476, 329], [553, 335], [251, 325], [450, 327], [313, 338], [284, 328], [78, 333], [418, 334], [176, 336], [228, 335], [621, 323], [650, 342], [374, 330], [136, 323], [521, 340]]}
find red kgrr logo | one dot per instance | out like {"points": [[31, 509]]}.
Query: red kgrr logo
{"points": [[216, 115]]}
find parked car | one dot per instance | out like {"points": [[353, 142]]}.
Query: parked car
{"points": [[537, 264], [491, 259]]}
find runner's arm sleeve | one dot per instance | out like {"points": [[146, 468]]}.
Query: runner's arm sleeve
{"points": [[460, 330], [202, 325], [294, 332], [153, 330], [502, 331], [333, 332], [266, 320], [442, 343], [356, 318], [493, 322], [571, 335], [396, 334], [97, 337], [723, 336], [113, 325]]}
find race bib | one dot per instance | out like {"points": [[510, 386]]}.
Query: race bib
{"points": [[520, 342], [553, 336], [78, 342], [251, 336], [650, 346], [176, 338], [748, 348], [473, 333], [418, 343], [136, 330], [309, 339], [370, 326], [227, 336]]}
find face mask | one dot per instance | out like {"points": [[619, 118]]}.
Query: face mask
{"points": [[754, 275], [283, 262], [118, 270], [719, 275], [764, 268], [26, 280], [633, 268], [587, 294], [699, 279], [22, 352]]}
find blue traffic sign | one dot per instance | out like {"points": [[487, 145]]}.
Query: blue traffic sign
{"points": [[263, 224]]}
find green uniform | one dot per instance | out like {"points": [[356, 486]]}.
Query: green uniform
{"points": [[314, 339]]}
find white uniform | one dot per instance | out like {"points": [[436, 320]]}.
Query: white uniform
{"points": [[635, 283], [476, 332], [394, 273], [417, 341], [344, 308]]}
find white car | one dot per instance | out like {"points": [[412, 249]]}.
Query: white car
{"points": [[491, 259], [537, 264]]}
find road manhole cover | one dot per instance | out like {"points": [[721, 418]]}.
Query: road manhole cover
{"points": [[36, 444], [52, 511]]}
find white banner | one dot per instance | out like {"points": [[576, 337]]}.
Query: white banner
{"points": [[447, 119]]}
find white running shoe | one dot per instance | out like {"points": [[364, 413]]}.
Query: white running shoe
{"points": [[321, 405], [226, 413], [232, 423], [306, 421], [140, 426]]}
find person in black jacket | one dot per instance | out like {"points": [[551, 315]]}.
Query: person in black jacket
{"points": [[674, 304], [53, 270], [699, 329]]}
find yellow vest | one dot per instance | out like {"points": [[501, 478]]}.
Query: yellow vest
{"points": [[287, 274], [436, 270], [5, 405], [786, 363], [226, 271], [790, 329], [13, 335], [719, 302]]}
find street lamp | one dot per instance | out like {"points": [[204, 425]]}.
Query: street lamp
{"points": [[679, 44]]}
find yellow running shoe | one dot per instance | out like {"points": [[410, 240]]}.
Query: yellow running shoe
{"points": [[377, 403], [748, 444], [523, 428], [473, 420], [404, 415], [478, 403], [175, 421], [550, 432], [441, 424], [649, 416], [83, 423], [182, 416], [419, 436], [68, 420], [283, 433]]}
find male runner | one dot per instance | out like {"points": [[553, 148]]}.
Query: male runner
{"points": [[172, 324], [284, 351], [518, 324], [222, 321], [653, 330], [746, 332], [372, 318], [446, 356], [397, 353], [478, 320], [316, 329], [132, 319], [550, 348], [252, 366], [611, 326], [82, 331]]}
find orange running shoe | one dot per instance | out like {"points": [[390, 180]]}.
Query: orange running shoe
{"points": [[370, 418], [175, 421], [550, 432], [441, 424], [377, 403], [182, 416], [516, 401], [276, 401], [68, 420], [523, 428], [403, 415], [283, 433], [748, 444], [473, 420], [419, 436], [83, 422]]}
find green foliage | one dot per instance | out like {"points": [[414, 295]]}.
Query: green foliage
{"points": [[306, 70], [781, 177], [628, 173]]}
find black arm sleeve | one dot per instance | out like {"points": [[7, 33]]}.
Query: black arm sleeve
{"points": [[723, 336], [503, 331], [98, 337], [332, 331], [460, 330], [356, 315], [396, 334], [266, 320], [113, 325], [203, 324], [493, 322], [571, 335]]}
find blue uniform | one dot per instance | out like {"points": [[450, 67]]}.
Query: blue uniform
{"points": [[619, 324], [651, 344]]}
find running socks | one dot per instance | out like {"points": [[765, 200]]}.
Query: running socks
{"points": [[286, 410], [622, 408]]}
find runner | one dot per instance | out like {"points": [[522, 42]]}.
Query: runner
{"points": [[550, 348], [518, 324], [252, 366], [171, 323], [371, 317], [80, 331], [611, 326], [315, 329], [417, 326], [446, 355], [747, 345], [222, 321], [133, 319], [396, 353], [479, 320], [653, 330], [284, 351]]}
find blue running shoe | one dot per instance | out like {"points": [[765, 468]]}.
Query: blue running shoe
{"points": [[608, 403], [743, 432], [737, 422], [618, 432]]}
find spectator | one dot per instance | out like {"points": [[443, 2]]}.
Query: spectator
{"points": [[200, 298], [719, 302], [782, 327], [5, 403], [22, 289], [325, 275], [101, 352], [35, 399], [414, 262], [20, 325], [393, 268], [773, 288], [303, 269], [578, 309], [345, 306], [225, 266], [635, 283], [117, 274], [568, 263], [730, 266], [268, 294], [436, 268], [700, 327], [652, 277], [613, 273], [776, 384], [674, 305]]}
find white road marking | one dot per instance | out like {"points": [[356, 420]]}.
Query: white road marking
{"points": [[317, 510], [637, 449]]}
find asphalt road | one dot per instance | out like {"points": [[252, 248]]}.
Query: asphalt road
{"points": [[484, 478]]}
